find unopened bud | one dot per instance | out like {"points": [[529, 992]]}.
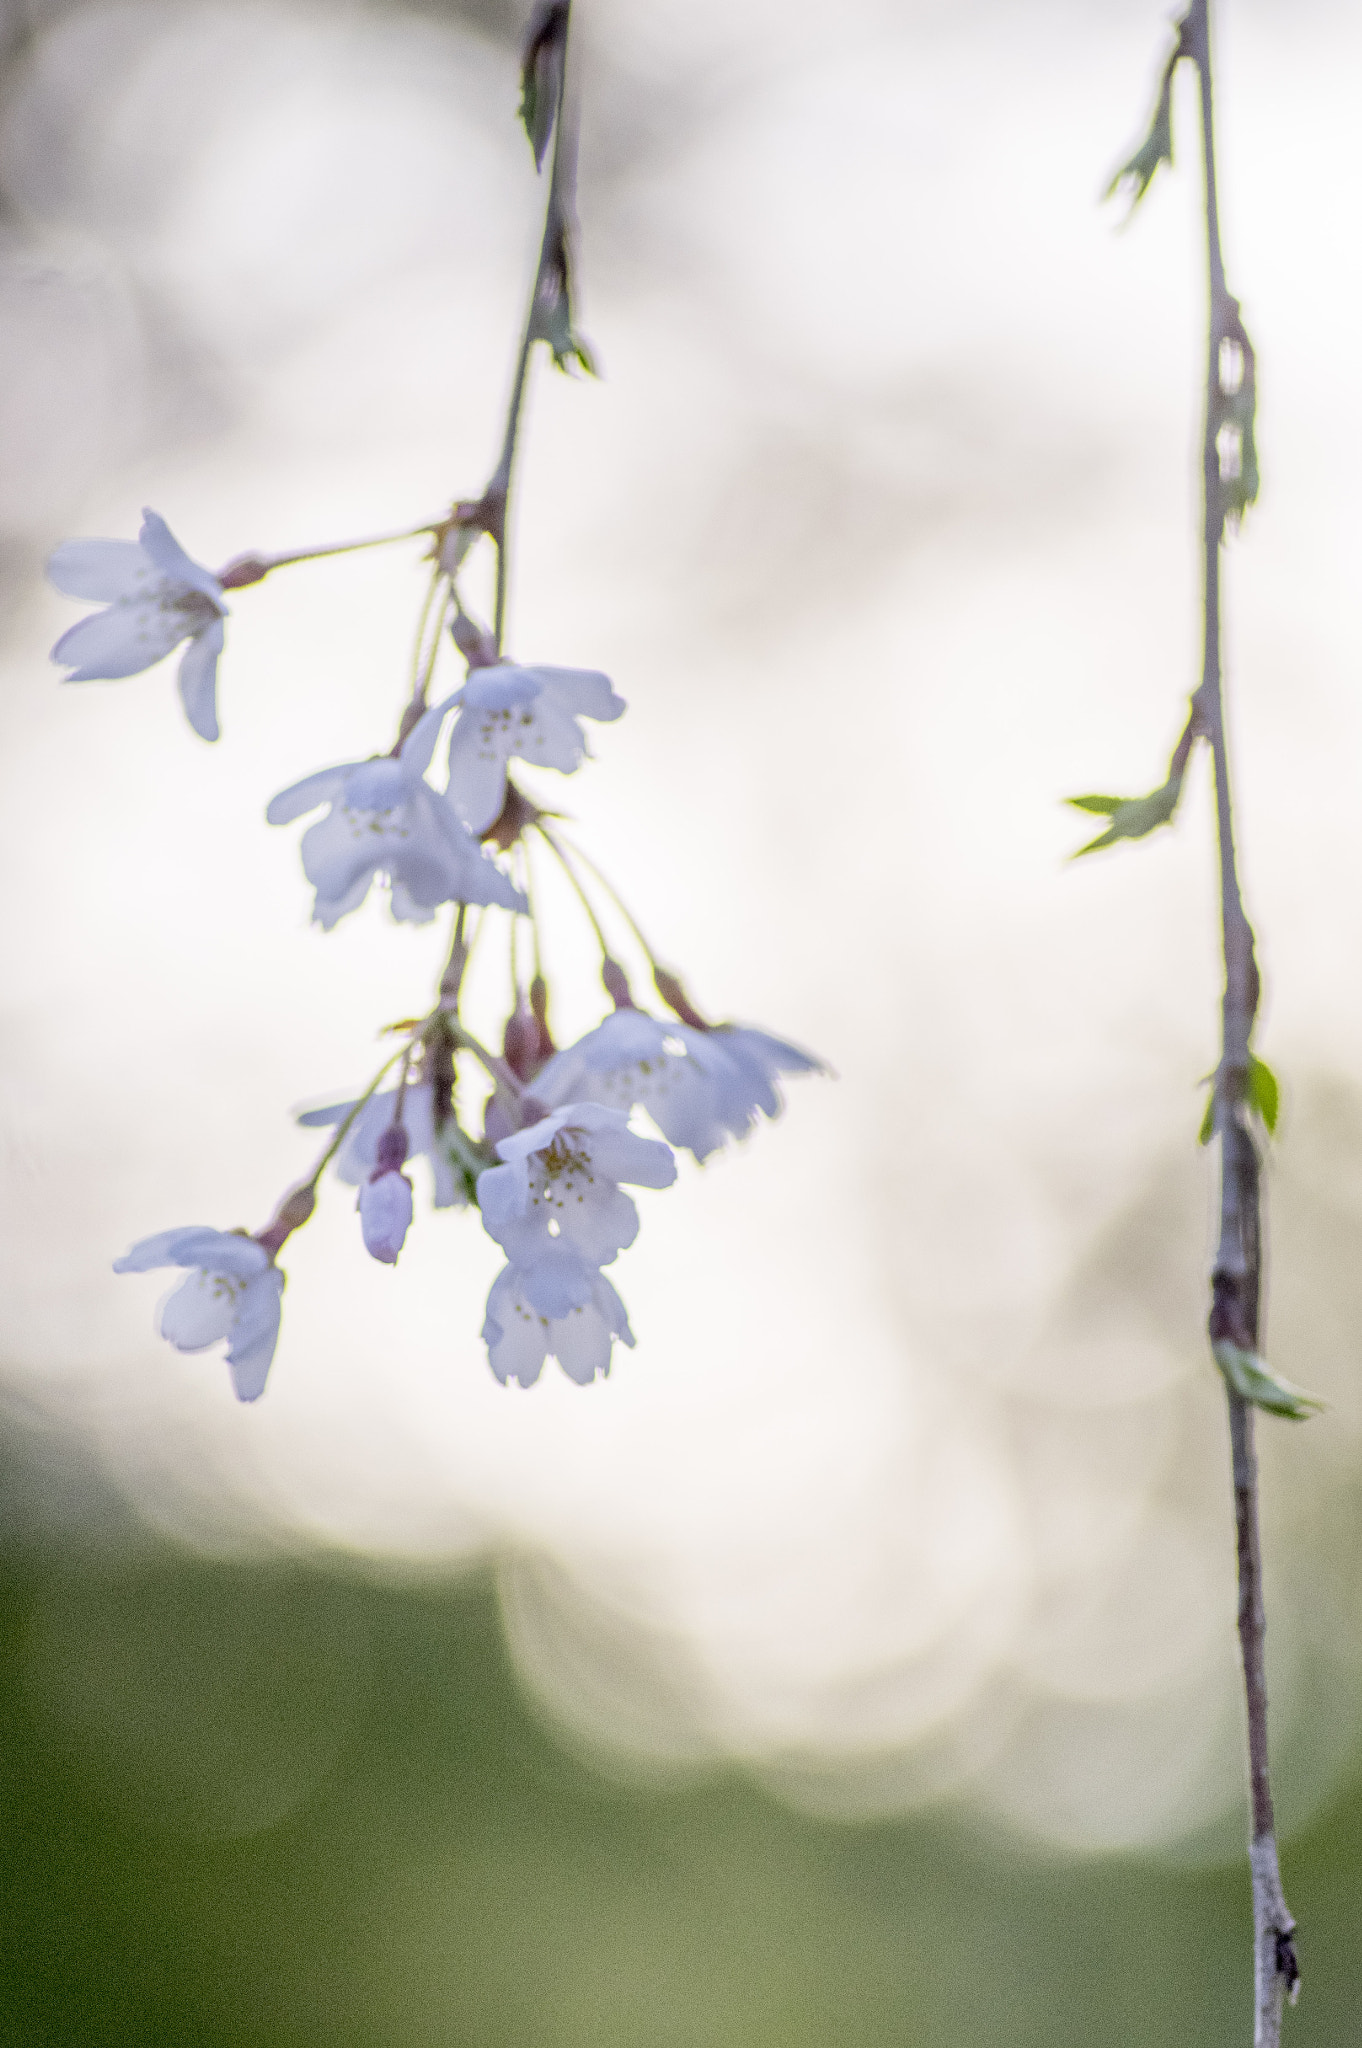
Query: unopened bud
{"points": [[390, 1151], [520, 1043], [616, 984], [292, 1213], [539, 1003], [675, 997], [244, 569], [474, 642], [385, 1211]]}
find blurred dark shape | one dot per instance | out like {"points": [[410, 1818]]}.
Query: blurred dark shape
{"points": [[444, 1873]]}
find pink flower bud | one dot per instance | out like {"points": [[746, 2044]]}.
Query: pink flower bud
{"points": [[616, 984], [391, 1150], [385, 1212]]}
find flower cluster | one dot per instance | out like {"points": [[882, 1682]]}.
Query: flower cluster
{"points": [[536, 1137], [556, 1208]]}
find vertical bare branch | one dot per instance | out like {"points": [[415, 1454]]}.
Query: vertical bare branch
{"points": [[1236, 1280]]}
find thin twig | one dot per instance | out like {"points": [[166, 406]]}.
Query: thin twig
{"points": [[558, 228], [245, 569], [1236, 1280]]}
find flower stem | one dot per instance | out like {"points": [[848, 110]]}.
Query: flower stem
{"points": [[560, 855], [252, 568]]}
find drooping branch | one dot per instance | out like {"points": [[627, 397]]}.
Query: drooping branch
{"points": [[1229, 481]]}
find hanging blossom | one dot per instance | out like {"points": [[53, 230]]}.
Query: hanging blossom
{"points": [[384, 818], [701, 1086], [519, 1338], [507, 710], [156, 597], [358, 1153], [556, 1208], [233, 1290], [385, 1199]]}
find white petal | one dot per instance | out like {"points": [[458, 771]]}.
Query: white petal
{"points": [[581, 1344], [318, 1119], [157, 540], [120, 642], [503, 1194], [337, 858], [100, 569], [201, 1310], [301, 797], [612, 1310], [377, 785], [419, 744], [537, 1137], [503, 687], [624, 1038], [385, 1212], [559, 1280], [164, 1248], [583, 691], [199, 679], [476, 878], [684, 1106], [328, 911], [524, 1239], [549, 737], [196, 1244], [643, 1162], [404, 907], [251, 1351], [477, 775], [600, 1225], [515, 1335]]}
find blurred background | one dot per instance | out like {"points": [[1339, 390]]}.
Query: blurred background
{"points": [[856, 1663]]}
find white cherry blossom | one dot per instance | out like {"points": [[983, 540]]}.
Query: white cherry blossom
{"points": [[531, 712], [700, 1087], [556, 1199], [519, 1337], [155, 597], [232, 1291], [358, 1154], [384, 818]]}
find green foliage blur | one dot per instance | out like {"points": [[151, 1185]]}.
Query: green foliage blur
{"points": [[299, 1808]]}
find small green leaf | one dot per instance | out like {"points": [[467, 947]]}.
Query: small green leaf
{"points": [[1137, 175], [1131, 817], [1253, 1380], [1103, 805], [1207, 1131], [1264, 1096]]}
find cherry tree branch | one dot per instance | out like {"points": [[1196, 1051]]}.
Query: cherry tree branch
{"points": [[1236, 1279]]}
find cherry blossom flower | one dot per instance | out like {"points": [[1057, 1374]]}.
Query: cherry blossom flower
{"points": [[155, 597], [384, 818], [558, 1194], [519, 1336], [232, 1291], [385, 1199], [506, 710], [358, 1154], [700, 1087]]}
